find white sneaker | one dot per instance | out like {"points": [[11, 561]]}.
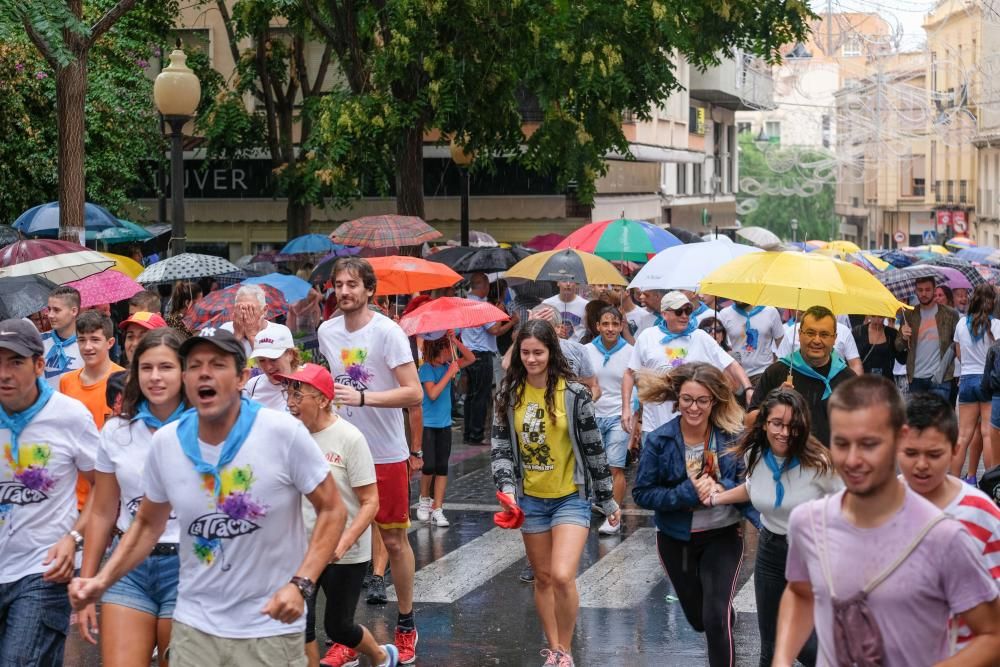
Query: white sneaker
{"points": [[607, 529], [438, 518], [424, 508]]}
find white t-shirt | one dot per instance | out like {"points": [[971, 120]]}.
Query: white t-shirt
{"points": [[801, 485], [639, 319], [268, 394], [238, 550], [72, 352], [123, 451], [247, 347], [351, 465], [650, 355], [844, 345], [769, 328], [974, 352], [572, 313], [38, 496], [609, 377], [365, 359]]}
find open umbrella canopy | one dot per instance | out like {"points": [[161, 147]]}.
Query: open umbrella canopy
{"points": [[568, 265], [958, 242], [309, 244], [799, 280], [479, 239], [105, 287], [845, 247], [8, 235], [59, 261], [43, 220], [186, 266], [399, 274], [125, 232], [544, 241], [903, 282], [979, 254], [216, 308], [684, 235], [622, 240], [683, 267], [760, 237], [292, 288], [450, 312], [968, 270], [816, 244], [485, 260], [384, 231], [21, 296]]}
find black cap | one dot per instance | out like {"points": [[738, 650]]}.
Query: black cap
{"points": [[21, 337], [222, 339]]}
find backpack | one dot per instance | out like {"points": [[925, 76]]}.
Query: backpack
{"points": [[990, 484], [857, 639]]}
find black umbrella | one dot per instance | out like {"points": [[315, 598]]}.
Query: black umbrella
{"points": [[8, 235], [480, 260], [684, 235], [21, 296]]}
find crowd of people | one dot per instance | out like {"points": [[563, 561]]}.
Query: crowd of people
{"points": [[203, 489]]}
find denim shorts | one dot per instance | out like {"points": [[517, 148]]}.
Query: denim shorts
{"points": [[969, 390], [615, 440], [150, 588], [995, 413], [542, 514]]}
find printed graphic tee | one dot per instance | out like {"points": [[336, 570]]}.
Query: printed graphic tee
{"points": [[238, 548], [123, 451], [545, 448], [73, 359], [365, 359], [572, 313], [38, 491]]}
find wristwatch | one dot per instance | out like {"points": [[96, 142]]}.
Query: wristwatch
{"points": [[77, 539], [419, 454], [305, 586]]}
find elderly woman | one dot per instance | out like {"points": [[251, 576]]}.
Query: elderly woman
{"points": [[248, 316], [276, 355]]}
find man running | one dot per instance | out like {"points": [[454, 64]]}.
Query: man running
{"points": [[47, 440], [372, 366], [845, 543], [234, 474]]}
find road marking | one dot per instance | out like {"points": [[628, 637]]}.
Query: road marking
{"points": [[625, 576], [465, 569], [486, 507], [745, 602]]}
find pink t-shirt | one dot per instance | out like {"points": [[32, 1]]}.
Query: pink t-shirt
{"points": [[943, 576]]}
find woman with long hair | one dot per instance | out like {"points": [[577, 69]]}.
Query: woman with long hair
{"points": [[548, 459], [136, 612], [786, 467], [974, 334], [184, 294], [683, 464], [877, 346]]}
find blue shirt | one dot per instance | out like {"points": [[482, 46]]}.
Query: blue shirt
{"points": [[437, 413], [478, 339]]}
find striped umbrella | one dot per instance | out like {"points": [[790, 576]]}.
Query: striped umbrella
{"points": [[217, 307], [903, 282], [384, 231], [59, 261], [567, 265], [622, 240], [958, 242]]}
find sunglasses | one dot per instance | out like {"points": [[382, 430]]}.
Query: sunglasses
{"points": [[683, 311]]}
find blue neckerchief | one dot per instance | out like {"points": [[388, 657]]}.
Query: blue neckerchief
{"points": [[19, 421], [699, 310], [142, 412], [56, 358], [658, 320], [975, 338], [187, 433], [670, 335], [753, 336], [837, 364], [776, 470], [599, 344]]}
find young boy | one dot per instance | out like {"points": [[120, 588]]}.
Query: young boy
{"points": [[62, 354], [924, 459]]}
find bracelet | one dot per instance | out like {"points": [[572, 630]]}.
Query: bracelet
{"points": [[362, 404], [711, 498]]}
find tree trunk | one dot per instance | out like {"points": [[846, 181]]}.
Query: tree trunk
{"points": [[410, 173], [71, 92], [299, 218]]}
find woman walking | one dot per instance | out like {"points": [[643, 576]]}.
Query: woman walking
{"points": [[974, 334], [785, 468], [136, 612], [877, 346], [548, 458], [683, 464]]}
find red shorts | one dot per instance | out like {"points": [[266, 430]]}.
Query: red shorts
{"points": [[393, 483]]}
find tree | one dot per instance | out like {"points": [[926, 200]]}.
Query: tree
{"points": [[787, 183]]}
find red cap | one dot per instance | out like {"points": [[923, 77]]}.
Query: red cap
{"points": [[313, 375], [145, 320]]}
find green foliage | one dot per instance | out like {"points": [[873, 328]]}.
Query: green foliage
{"points": [[49, 19]]}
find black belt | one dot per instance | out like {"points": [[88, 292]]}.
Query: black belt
{"points": [[165, 549], [479, 352]]}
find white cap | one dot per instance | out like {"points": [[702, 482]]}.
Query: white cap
{"points": [[674, 300], [272, 342]]}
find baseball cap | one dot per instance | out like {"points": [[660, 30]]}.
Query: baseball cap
{"points": [[673, 301], [21, 337], [313, 375], [272, 341], [222, 339], [144, 319]]}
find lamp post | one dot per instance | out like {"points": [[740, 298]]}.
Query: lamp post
{"points": [[795, 229], [176, 93], [762, 140], [462, 159]]}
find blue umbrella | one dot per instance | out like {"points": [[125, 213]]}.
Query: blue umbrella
{"points": [[292, 288], [43, 220], [978, 254], [309, 244], [126, 232]]}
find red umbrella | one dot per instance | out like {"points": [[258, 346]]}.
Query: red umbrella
{"points": [[105, 287], [217, 307], [544, 241], [449, 312], [58, 261], [381, 231]]}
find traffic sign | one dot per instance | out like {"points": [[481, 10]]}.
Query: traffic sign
{"points": [[930, 236], [961, 226], [899, 236]]}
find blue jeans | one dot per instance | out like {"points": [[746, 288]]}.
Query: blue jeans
{"points": [[943, 389], [615, 440], [769, 585], [34, 620]]}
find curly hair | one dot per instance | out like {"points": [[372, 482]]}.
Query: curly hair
{"points": [[801, 443], [726, 412], [511, 391]]}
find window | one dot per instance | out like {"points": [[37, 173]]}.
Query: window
{"points": [[696, 182], [937, 191], [826, 130], [772, 129], [733, 157], [951, 191], [744, 128], [963, 192], [911, 176], [682, 170], [696, 120], [851, 46]]}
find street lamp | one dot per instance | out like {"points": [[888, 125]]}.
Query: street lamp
{"points": [[762, 140], [795, 229], [176, 93], [462, 159]]}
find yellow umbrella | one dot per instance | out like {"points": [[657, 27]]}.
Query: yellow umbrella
{"points": [[567, 265], [796, 280], [845, 247], [877, 262], [124, 265], [816, 243]]}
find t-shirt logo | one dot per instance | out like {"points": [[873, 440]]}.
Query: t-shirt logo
{"points": [[32, 480], [355, 374], [235, 511], [676, 356], [537, 454]]}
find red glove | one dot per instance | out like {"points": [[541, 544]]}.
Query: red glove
{"points": [[511, 517]]}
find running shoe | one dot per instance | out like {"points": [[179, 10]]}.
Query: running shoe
{"points": [[607, 529], [971, 479], [439, 519], [424, 508], [340, 656], [551, 658], [376, 591], [565, 660], [527, 574], [393, 654], [406, 642]]}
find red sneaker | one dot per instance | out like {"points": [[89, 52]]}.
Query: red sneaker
{"points": [[340, 656], [406, 642]]}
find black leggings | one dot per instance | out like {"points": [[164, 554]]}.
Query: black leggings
{"points": [[437, 450], [703, 572], [341, 585]]}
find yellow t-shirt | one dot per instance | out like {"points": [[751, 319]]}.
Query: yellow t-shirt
{"points": [[544, 444]]}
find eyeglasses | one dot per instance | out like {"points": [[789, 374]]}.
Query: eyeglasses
{"points": [[686, 401], [681, 312], [292, 391], [779, 426], [822, 335]]}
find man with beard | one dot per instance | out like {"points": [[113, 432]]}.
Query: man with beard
{"points": [[926, 336]]}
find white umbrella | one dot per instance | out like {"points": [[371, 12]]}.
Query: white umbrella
{"points": [[760, 237], [62, 268], [716, 237], [186, 266], [683, 266]]}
